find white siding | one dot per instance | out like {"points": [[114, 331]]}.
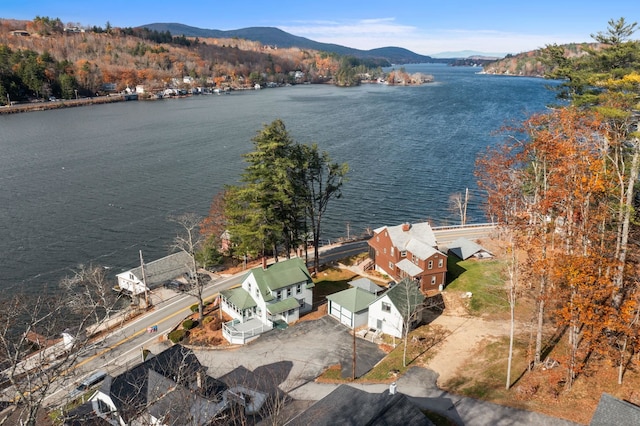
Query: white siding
{"points": [[391, 321]]}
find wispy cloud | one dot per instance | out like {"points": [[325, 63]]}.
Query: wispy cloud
{"points": [[380, 32]]}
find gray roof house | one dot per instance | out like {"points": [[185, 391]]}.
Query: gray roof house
{"points": [[351, 306], [156, 272], [170, 388], [612, 411], [351, 406], [464, 249], [367, 284]]}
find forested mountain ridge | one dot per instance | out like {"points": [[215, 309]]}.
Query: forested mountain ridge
{"points": [[43, 58], [281, 39], [532, 63]]}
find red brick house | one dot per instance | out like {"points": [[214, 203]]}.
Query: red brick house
{"points": [[409, 250]]}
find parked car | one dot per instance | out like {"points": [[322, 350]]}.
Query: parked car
{"points": [[87, 383], [175, 285]]}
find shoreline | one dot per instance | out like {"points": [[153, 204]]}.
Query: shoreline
{"points": [[66, 103]]}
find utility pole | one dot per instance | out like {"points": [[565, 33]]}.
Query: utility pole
{"points": [[353, 370], [144, 281]]}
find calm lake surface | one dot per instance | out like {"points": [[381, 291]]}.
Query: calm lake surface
{"points": [[96, 184]]}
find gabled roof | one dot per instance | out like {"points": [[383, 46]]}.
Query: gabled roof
{"points": [[405, 296], [129, 391], [464, 248], [614, 411], [417, 238], [351, 406], [409, 267], [283, 305], [366, 284], [163, 269], [280, 275], [178, 405], [353, 299], [239, 297]]}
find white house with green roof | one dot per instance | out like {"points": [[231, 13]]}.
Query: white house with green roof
{"points": [[389, 312], [351, 306], [269, 295]]}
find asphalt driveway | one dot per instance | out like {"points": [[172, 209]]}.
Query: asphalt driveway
{"points": [[311, 346]]}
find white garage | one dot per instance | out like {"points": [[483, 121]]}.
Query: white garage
{"points": [[351, 306]]}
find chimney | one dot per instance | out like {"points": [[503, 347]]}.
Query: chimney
{"points": [[199, 379], [406, 226], [264, 263], [392, 388]]}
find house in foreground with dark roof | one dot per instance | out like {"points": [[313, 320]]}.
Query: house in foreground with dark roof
{"points": [[268, 297], [170, 389], [350, 406], [396, 308], [612, 411]]}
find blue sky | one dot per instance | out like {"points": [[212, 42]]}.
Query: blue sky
{"points": [[426, 27]]}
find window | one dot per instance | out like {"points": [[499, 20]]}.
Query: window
{"points": [[440, 263], [391, 265], [384, 250], [299, 288], [278, 295], [291, 312], [386, 307], [403, 253], [433, 280], [431, 264], [288, 291], [391, 251], [257, 292], [249, 287], [414, 258], [377, 238]]}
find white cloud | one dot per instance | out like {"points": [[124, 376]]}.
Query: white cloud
{"points": [[380, 32]]}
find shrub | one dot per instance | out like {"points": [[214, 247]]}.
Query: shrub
{"points": [[189, 324], [194, 308], [177, 335], [207, 320]]}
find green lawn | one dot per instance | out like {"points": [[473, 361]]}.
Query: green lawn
{"points": [[484, 279], [330, 281]]}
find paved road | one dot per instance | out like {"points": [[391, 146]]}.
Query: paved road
{"points": [[122, 348], [446, 235]]}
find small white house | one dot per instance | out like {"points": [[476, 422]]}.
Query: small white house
{"points": [[155, 273], [390, 312], [267, 296]]}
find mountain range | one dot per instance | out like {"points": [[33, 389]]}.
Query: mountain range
{"points": [[276, 37]]}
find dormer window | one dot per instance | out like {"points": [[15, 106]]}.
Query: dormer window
{"points": [[403, 253]]}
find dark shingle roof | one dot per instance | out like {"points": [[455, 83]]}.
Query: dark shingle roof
{"points": [[406, 296], [129, 391], [350, 406], [612, 411]]}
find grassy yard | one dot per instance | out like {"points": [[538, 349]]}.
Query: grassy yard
{"points": [[330, 281], [483, 279]]}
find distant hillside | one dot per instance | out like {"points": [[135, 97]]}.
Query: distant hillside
{"points": [[531, 64], [276, 37]]}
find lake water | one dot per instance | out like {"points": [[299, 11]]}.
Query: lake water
{"points": [[96, 184]]}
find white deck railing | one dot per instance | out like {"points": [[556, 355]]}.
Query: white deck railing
{"points": [[240, 337]]}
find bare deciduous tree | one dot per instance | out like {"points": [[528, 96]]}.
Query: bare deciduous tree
{"points": [[190, 241]]}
